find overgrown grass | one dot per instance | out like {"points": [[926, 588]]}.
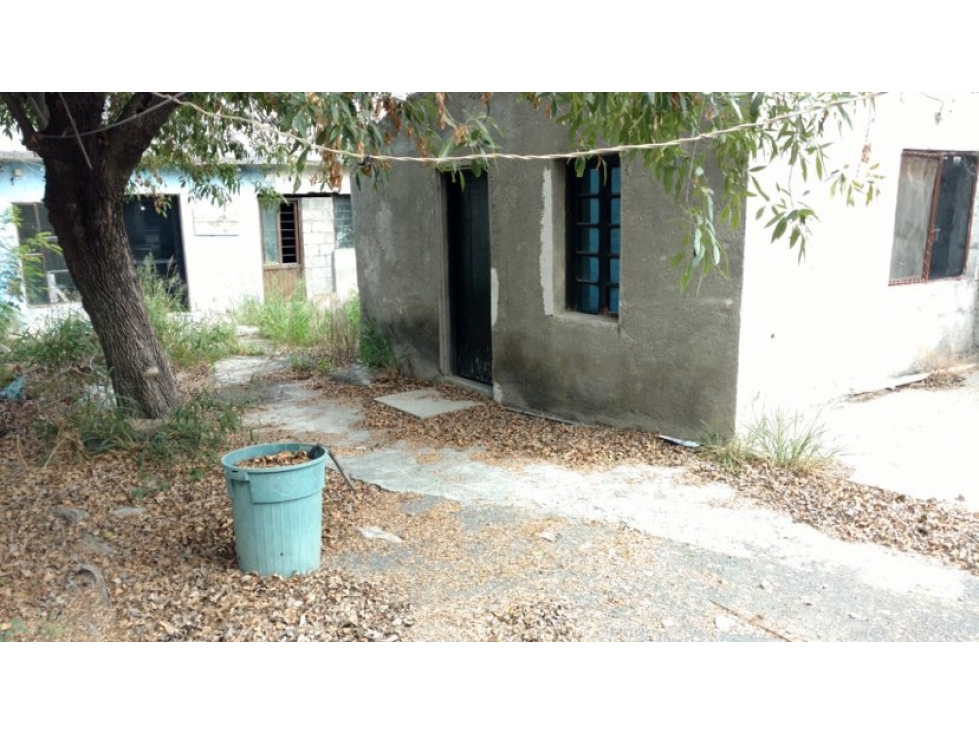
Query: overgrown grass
{"points": [[66, 376], [319, 337], [783, 439], [186, 342], [289, 322], [193, 434]]}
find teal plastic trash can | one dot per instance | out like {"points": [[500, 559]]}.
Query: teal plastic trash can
{"points": [[277, 511]]}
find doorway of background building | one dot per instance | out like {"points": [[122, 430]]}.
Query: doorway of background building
{"points": [[467, 213]]}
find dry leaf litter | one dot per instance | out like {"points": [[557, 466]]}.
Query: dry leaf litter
{"points": [[102, 549], [282, 458], [824, 499]]}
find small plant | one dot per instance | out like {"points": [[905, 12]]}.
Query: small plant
{"points": [[196, 430], [376, 349], [149, 484], [320, 337], [10, 631], [21, 268], [786, 440], [186, 341]]}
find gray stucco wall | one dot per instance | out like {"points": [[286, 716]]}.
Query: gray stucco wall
{"points": [[400, 262], [668, 363]]}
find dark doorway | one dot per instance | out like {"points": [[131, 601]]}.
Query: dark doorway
{"points": [[467, 200], [154, 231]]}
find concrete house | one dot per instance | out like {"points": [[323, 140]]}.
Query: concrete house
{"points": [[245, 248], [555, 293]]}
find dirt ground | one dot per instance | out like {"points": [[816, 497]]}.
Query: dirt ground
{"points": [[481, 525]]}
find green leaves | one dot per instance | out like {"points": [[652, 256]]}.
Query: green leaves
{"points": [[211, 135], [737, 136]]}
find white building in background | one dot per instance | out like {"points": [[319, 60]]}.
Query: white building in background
{"points": [[245, 248]]}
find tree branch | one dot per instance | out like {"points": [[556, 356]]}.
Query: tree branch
{"points": [[40, 106], [74, 127], [143, 116], [19, 114]]}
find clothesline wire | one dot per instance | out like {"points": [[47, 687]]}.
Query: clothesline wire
{"points": [[438, 160], [487, 156]]}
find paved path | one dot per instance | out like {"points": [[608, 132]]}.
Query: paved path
{"points": [[706, 561], [919, 442]]}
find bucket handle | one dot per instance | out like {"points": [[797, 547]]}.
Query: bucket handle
{"points": [[236, 475]]}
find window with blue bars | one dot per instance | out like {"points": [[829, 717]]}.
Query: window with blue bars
{"points": [[594, 236]]}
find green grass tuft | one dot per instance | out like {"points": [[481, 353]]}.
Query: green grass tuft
{"points": [[318, 337], [786, 440]]}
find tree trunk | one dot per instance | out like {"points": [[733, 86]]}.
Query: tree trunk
{"points": [[87, 216], [88, 164]]}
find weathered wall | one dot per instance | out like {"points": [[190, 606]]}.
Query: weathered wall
{"points": [[400, 262], [318, 245], [222, 244], [816, 330], [668, 363]]}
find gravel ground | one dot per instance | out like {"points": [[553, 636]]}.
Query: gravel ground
{"points": [[525, 529]]}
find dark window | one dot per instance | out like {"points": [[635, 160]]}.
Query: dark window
{"points": [[343, 221], [153, 227], [594, 236], [281, 232], [46, 276], [935, 198]]}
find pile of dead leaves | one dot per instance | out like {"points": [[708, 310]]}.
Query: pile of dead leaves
{"points": [[500, 434], [939, 380], [107, 549], [533, 621], [283, 458], [828, 501]]}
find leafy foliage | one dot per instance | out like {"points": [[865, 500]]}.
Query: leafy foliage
{"points": [[20, 267], [210, 135], [739, 133]]}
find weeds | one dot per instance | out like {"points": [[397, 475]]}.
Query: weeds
{"points": [[66, 344], [193, 433], [186, 342], [786, 440], [376, 349], [196, 430], [319, 337], [289, 322], [65, 374]]}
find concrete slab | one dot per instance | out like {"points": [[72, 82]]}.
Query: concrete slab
{"points": [[712, 547], [298, 409], [918, 442], [424, 403], [240, 370]]}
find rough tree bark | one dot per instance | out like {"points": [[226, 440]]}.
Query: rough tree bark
{"points": [[86, 179]]}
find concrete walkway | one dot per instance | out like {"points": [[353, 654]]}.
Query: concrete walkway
{"points": [[711, 547], [914, 441]]}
